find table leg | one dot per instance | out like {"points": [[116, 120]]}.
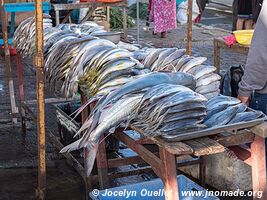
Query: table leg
{"points": [[217, 56], [57, 17], [202, 171], [169, 175], [258, 154], [21, 93], [124, 15], [102, 165], [88, 186]]}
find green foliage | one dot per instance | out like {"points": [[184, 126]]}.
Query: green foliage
{"points": [[143, 10], [116, 20]]}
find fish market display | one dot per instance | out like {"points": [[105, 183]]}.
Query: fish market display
{"points": [[222, 110], [172, 59], [129, 103], [24, 36], [76, 59]]}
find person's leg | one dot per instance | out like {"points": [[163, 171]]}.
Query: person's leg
{"points": [[259, 102], [239, 24], [248, 24], [164, 34]]}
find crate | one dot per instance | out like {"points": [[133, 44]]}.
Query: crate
{"points": [[68, 126], [151, 190]]}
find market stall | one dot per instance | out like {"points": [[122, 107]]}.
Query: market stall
{"points": [[86, 71]]}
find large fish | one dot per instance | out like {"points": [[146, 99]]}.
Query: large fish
{"points": [[147, 81], [246, 116], [222, 117], [115, 115]]}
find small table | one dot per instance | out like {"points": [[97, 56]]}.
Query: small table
{"points": [[164, 164], [219, 44], [92, 6]]}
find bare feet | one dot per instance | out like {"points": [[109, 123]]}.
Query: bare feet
{"points": [[163, 34]]}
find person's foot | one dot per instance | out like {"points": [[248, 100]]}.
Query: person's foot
{"points": [[153, 33], [163, 34]]}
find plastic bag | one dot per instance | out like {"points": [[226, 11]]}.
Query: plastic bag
{"points": [[182, 12]]}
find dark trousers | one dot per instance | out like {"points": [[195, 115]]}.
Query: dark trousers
{"points": [[259, 102]]}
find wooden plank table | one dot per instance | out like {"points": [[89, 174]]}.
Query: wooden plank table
{"points": [[164, 163], [92, 6], [219, 44]]}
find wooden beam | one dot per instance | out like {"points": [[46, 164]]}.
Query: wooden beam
{"points": [[260, 130], [118, 162], [176, 148], [233, 140], [205, 146]]}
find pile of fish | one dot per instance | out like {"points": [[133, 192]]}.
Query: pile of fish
{"points": [[87, 28], [24, 36], [222, 110], [124, 104], [167, 110], [74, 58], [173, 59]]}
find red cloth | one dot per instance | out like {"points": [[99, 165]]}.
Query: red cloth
{"points": [[229, 40]]}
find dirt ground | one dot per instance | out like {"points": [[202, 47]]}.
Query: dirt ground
{"points": [[18, 152]]}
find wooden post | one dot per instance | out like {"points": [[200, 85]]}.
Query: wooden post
{"points": [[88, 186], [124, 15], [14, 109], [39, 63], [169, 174], [217, 55], [102, 165], [189, 27], [258, 154], [57, 17]]}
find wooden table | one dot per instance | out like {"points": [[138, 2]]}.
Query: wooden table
{"points": [[92, 6], [164, 163], [219, 44]]}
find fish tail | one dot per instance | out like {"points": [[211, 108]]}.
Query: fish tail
{"points": [[71, 147]]}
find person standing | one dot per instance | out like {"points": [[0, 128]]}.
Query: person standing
{"points": [[163, 14], [253, 86], [256, 8], [244, 14]]}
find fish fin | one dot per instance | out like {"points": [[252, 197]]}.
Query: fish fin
{"points": [[71, 147]]}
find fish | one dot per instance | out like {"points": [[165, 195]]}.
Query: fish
{"points": [[152, 57], [210, 95], [246, 116], [173, 56], [214, 86], [182, 61], [115, 116], [180, 124], [149, 81], [187, 114], [192, 63], [222, 117], [206, 80], [202, 70], [213, 101], [162, 56]]}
